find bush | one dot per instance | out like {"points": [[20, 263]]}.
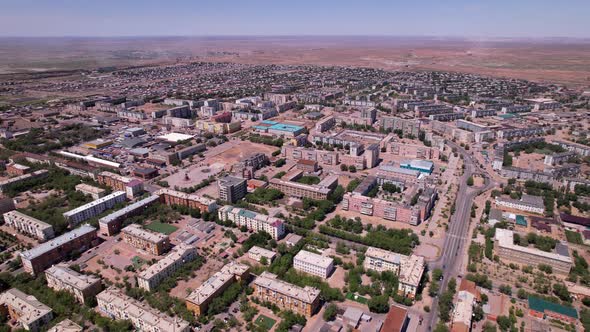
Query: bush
{"points": [[379, 304]]}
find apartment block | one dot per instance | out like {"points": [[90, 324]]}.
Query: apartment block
{"points": [[412, 150], [527, 203], [199, 300], [320, 156], [28, 225], [164, 268], [407, 126], [146, 240], [231, 189], [409, 268], [111, 224], [61, 278], [91, 191], [39, 258], [483, 113], [116, 305], [582, 150], [559, 260], [173, 197], [94, 208], [325, 124], [253, 221], [381, 208], [304, 301], [257, 253], [5, 184], [313, 264], [132, 187], [218, 127], [290, 187], [508, 133], [446, 116], [26, 310], [17, 169]]}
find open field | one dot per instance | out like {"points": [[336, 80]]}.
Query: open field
{"points": [[564, 61], [159, 227]]}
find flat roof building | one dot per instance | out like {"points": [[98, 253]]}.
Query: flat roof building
{"points": [[253, 221], [304, 301], [257, 253], [527, 203], [111, 224], [143, 239], [94, 208], [61, 278], [92, 191], [162, 269], [231, 189], [117, 305], [409, 268], [313, 264], [39, 258], [25, 309], [28, 225], [173, 197]]}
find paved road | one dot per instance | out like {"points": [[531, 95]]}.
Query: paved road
{"points": [[452, 255]]}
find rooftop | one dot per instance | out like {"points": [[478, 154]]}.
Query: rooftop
{"points": [[28, 308], [99, 201], [57, 242], [136, 231], [505, 238], [314, 259], [70, 277], [540, 305], [270, 281]]}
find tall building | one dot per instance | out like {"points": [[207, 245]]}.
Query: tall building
{"points": [[25, 309], [28, 225], [61, 278], [54, 251], [117, 305], [231, 189], [199, 300], [94, 208], [143, 239], [313, 264], [304, 301], [408, 268], [162, 269], [253, 221]]}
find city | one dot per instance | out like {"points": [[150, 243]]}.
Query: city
{"points": [[201, 195]]}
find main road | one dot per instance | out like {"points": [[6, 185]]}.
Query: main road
{"points": [[457, 234]]}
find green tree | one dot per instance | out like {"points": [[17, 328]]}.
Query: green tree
{"points": [[330, 312], [379, 304]]}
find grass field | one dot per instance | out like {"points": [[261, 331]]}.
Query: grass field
{"points": [[358, 298], [574, 237], [137, 262], [265, 322], [159, 227]]}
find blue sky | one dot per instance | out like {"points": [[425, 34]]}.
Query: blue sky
{"points": [[491, 18]]}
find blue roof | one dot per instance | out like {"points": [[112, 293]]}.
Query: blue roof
{"points": [[285, 127], [520, 220], [269, 122]]}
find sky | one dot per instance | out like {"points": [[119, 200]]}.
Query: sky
{"points": [[445, 18]]}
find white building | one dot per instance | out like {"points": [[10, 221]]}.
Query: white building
{"points": [[527, 203], [153, 275], [94, 208], [62, 278], [93, 191], [313, 264], [408, 268], [29, 225], [253, 221], [256, 253]]}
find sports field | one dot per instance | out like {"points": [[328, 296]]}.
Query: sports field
{"points": [[265, 322], [159, 227]]}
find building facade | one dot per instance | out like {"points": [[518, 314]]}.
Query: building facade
{"points": [[61, 278], [253, 221], [26, 310], [28, 225], [304, 301], [164, 268], [94, 208], [313, 264]]}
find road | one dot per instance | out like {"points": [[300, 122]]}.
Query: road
{"points": [[456, 237]]}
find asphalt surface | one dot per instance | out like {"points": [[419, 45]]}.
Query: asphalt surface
{"points": [[457, 237]]}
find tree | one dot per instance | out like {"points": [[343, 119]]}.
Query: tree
{"points": [[489, 327], [470, 181], [264, 261], [561, 291], [478, 313], [343, 167], [352, 169], [379, 304], [504, 323], [440, 327], [505, 289], [330, 312]]}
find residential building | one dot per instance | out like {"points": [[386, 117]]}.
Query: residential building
{"points": [[39, 258], [389, 210], [290, 187], [199, 300], [132, 187], [61, 278], [143, 239], [150, 278], [407, 126], [314, 264], [66, 325], [173, 197], [409, 268], [509, 132], [116, 305], [559, 260], [304, 301], [397, 320], [529, 203], [5, 184], [218, 127], [325, 124], [253, 221], [28, 225], [15, 169], [412, 150], [111, 224], [231, 189], [462, 312], [26, 310], [91, 191], [580, 149], [257, 253], [321, 156], [94, 208]]}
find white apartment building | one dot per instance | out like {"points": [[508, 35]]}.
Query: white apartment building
{"points": [[313, 264], [408, 268], [527, 203], [28, 225], [153, 275], [253, 221], [30, 314], [94, 208], [61, 278], [94, 192], [117, 305], [256, 253]]}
